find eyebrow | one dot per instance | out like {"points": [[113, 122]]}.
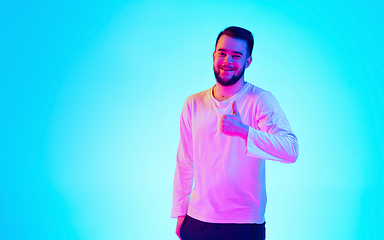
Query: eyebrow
{"points": [[223, 50]]}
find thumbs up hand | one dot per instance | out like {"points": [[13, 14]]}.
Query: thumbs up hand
{"points": [[232, 125]]}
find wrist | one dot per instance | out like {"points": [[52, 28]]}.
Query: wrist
{"points": [[244, 134]]}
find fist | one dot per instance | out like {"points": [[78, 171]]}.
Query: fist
{"points": [[232, 125]]}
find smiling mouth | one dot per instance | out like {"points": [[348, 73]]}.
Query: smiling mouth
{"points": [[227, 69]]}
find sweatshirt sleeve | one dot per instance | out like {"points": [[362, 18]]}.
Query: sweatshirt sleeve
{"points": [[183, 180], [273, 140]]}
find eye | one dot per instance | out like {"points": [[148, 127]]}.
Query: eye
{"points": [[236, 56], [222, 54]]}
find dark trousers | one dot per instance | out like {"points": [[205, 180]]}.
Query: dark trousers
{"points": [[193, 229]]}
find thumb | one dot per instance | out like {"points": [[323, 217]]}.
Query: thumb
{"points": [[234, 109]]}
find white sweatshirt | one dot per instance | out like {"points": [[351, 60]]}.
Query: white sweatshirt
{"points": [[228, 172]]}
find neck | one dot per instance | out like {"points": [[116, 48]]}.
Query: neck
{"points": [[222, 93]]}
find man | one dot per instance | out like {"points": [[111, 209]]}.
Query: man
{"points": [[226, 133]]}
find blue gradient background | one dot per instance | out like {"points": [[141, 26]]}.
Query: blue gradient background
{"points": [[91, 93]]}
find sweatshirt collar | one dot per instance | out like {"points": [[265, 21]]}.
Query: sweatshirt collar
{"points": [[225, 103]]}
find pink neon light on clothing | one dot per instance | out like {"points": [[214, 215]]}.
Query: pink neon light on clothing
{"points": [[229, 173]]}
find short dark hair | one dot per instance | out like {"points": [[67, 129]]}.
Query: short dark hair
{"points": [[240, 33]]}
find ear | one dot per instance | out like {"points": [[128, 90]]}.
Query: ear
{"points": [[249, 60], [214, 56]]}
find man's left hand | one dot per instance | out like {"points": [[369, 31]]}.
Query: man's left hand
{"points": [[232, 125]]}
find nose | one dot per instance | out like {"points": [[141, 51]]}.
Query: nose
{"points": [[228, 59]]}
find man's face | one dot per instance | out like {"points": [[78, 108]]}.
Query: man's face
{"points": [[230, 60]]}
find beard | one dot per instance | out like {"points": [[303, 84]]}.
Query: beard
{"points": [[229, 82]]}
